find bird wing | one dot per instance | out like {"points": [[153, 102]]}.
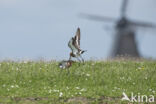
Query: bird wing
{"points": [[71, 46], [77, 39]]}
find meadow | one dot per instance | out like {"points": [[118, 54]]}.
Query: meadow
{"points": [[94, 82]]}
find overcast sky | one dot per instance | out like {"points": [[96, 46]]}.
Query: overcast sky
{"points": [[30, 29]]}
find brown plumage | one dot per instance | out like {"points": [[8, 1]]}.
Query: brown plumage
{"points": [[65, 64], [76, 41]]}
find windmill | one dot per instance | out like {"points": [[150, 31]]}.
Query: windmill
{"points": [[125, 42]]}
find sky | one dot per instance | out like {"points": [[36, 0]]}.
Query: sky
{"points": [[33, 29]]}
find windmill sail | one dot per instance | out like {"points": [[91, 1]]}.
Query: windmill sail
{"points": [[124, 8]]}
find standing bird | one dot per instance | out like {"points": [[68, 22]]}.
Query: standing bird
{"points": [[65, 64], [74, 45]]}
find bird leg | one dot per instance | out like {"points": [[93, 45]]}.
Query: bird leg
{"points": [[78, 59], [70, 57], [82, 59]]}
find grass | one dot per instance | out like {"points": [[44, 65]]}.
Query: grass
{"points": [[92, 83]]}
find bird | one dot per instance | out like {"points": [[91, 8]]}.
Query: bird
{"points": [[74, 45], [65, 64]]}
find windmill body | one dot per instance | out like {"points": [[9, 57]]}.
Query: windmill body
{"points": [[125, 43]]}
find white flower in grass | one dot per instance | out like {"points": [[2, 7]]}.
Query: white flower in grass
{"points": [[79, 93], [150, 89], [16, 86], [77, 88], [8, 89], [50, 91], [146, 78], [12, 86], [122, 78], [115, 88], [153, 91], [61, 94], [55, 90], [3, 85], [83, 89], [67, 88], [17, 69], [87, 75]]}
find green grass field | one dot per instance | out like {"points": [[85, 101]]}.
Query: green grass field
{"points": [[95, 82]]}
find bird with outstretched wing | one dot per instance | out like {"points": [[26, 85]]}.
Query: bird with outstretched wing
{"points": [[74, 45]]}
